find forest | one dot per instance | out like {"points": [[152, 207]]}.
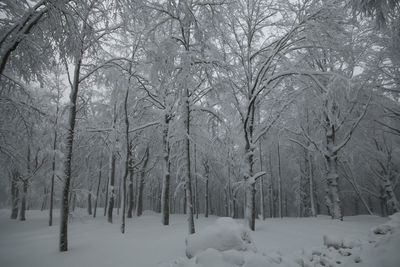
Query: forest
{"points": [[249, 109]]}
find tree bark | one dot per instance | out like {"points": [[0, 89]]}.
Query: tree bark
{"points": [[139, 208], [14, 195], [111, 189], [127, 160], [131, 192], [311, 183], [89, 200], [98, 188], [53, 173], [188, 184], [279, 184], [112, 170], [166, 178], [63, 246]]}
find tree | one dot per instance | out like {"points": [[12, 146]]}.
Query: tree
{"points": [[84, 37]]}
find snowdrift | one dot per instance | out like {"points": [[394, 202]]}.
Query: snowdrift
{"points": [[224, 235], [229, 244]]}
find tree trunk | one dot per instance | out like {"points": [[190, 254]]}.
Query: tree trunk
{"points": [[333, 200], [112, 190], [53, 174], [63, 246], [166, 178], [112, 170], [196, 196], [119, 195], [126, 160], [279, 184], [98, 188], [89, 200], [311, 183], [391, 196], [261, 185], [206, 200], [188, 184], [106, 196], [131, 192], [139, 208], [14, 195]]}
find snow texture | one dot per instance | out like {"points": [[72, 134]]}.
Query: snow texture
{"points": [[209, 249], [279, 242], [225, 234]]}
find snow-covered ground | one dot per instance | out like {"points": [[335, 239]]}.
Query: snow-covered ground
{"points": [[95, 242]]}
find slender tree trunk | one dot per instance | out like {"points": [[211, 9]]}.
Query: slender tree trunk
{"points": [[89, 200], [127, 160], [112, 189], [106, 196], [53, 174], [119, 195], [139, 208], [311, 183], [63, 246], [261, 185], [25, 186], [98, 188], [196, 200], [188, 184], [166, 178], [184, 200], [279, 184], [206, 200], [131, 192]]}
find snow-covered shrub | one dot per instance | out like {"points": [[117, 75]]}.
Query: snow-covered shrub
{"points": [[225, 234]]}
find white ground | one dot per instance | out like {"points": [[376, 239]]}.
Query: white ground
{"points": [[94, 242]]}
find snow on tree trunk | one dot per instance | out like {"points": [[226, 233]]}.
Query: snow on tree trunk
{"points": [[391, 196], [206, 191], [332, 177], [63, 246], [250, 189], [261, 190], [333, 200], [188, 182], [111, 188]]}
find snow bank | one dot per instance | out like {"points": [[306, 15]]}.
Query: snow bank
{"points": [[379, 249], [224, 244], [225, 234], [229, 244], [383, 248]]}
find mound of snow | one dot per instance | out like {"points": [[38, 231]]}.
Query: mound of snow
{"points": [[383, 251], [225, 234], [228, 244]]}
